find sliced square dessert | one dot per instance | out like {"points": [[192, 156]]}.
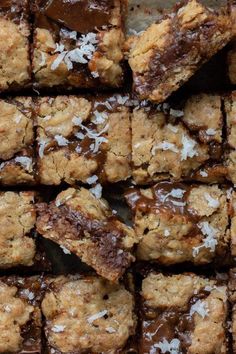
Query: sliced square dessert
{"points": [[178, 223], [80, 138], [78, 43], [16, 141], [18, 244], [15, 68], [20, 315], [232, 298], [183, 313], [87, 227], [87, 314], [178, 144], [170, 51], [230, 151]]}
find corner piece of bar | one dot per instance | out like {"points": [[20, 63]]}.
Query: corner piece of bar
{"points": [[20, 314], [87, 314], [15, 67], [170, 51], [183, 313], [181, 223], [78, 43], [87, 227]]}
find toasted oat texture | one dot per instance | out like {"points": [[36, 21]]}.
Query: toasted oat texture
{"points": [[178, 144], [87, 314], [17, 218], [186, 312], [169, 52], [180, 223], [232, 200], [16, 141], [230, 109], [79, 137], [232, 298], [87, 227], [14, 45], [82, 53]]}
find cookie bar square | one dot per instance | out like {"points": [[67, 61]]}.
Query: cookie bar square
{"points": [[178, 144], [16, 141], [73, 324], [78, 43], [170, 51], [19, 247], [15, 68], [232, 298], [183, 313], [81, 137], [87, 227], [178, 223], [230, 151], [20, 315]]}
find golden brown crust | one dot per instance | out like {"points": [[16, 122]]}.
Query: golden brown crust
{"points": [[178, 144], [168, 231], [67, 139], [87, 314], [200, 303], [86, 226], [17, 219], [170, 51]]}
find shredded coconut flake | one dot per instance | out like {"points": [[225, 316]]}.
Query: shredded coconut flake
{"points": [[176, 113], [61, 141], [25, 161], [110, 330], [28, 294], [7, 308], [172, 128], [94, 74], [211, 131], [203, 173], [58, 328], [97, 315], [166, 233], [172, 347], [200, 308], [18, 119], [99, 117], [213, 203], [188, 149], [97, 191], [165, 145], [92, 179], [65, 250], [210, 240]]}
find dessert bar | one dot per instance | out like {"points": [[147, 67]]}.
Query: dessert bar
{"points": [[178, 144], [20, 315], [16, 141], [178, 223], [87, 314], [230, 158], [86, 226], [170, 51], [19, 247], [183, 313], [80, 138], [78, 43], [15, 68]]}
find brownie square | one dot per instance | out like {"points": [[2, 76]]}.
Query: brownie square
{"points": [[81, 137], [183, 313], [15, 68], [230, 151], [19, 247], [87, 314], [20, 315], [87, 227], [179, 223], [16, 141], [170, 51], [78, 43], [178, 144]]}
